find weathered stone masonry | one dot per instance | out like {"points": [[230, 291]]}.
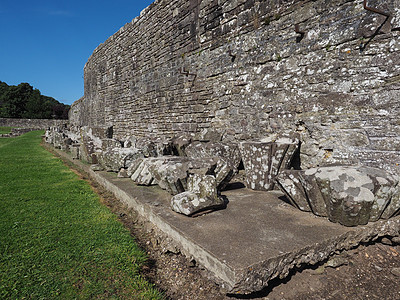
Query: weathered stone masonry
{"points": [[31, 123], [296, 95], [262, 86], [239, 66], [21, 126]]}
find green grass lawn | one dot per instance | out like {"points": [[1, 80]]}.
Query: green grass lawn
{"points": [[57, 241], [4, 130]]}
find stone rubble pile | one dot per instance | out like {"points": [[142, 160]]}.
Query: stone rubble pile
{"points": [[194, 169], [17, 132]]}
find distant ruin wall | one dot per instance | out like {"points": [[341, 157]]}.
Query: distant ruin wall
{"points": [[31, 123], [240, 67]]}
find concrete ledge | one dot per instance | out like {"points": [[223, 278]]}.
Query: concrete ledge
{"points": [[258, 237]]}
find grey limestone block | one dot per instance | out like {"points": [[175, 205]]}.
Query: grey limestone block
{"points": [[58, 140], [193, 180], [228, 151], [385, 191], [224, 172], [312, 191], [291, 184], [302, 191], [227, 155], [104, 132], [348, 195], [130, 141], [393, 208], [107, 144], [134, 165], [163, 146], [201, 195], [264, 160], [75, 153], [116, 158], [185, 203], [150, 146], [171, 173], [203, 166], [142, 175], [86, 150], [147, 146], [91, 142], [203, 185], [208, 135], [180, 142]]}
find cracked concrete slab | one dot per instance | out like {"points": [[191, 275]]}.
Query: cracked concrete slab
{"points": [[257, 238]]}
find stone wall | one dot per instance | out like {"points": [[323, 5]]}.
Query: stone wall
{"points": [[240, 67], [31, 123]]}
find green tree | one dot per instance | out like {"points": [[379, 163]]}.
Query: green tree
{"points": [[14, 100], [34, 106], [23, 101]]}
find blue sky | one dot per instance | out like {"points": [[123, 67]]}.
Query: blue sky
{"points": [[47, 43]]}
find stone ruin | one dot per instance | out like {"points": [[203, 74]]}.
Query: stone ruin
{"points": [[21, 126], [300, 96], [349, 195], [194, 169], [17, 132]]}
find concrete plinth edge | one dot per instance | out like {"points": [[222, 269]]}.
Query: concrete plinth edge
{"points": [[243, 249]]}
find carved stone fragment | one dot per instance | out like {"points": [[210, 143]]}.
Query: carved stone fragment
{"points": [[140, 171], [201, 195], [263, 161], [208, 135], [107, 144], [113, 159], [147, 146], [75, 151], [90, 142], [228, 156], [348, 195], [180, 142], [171, 173]]}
